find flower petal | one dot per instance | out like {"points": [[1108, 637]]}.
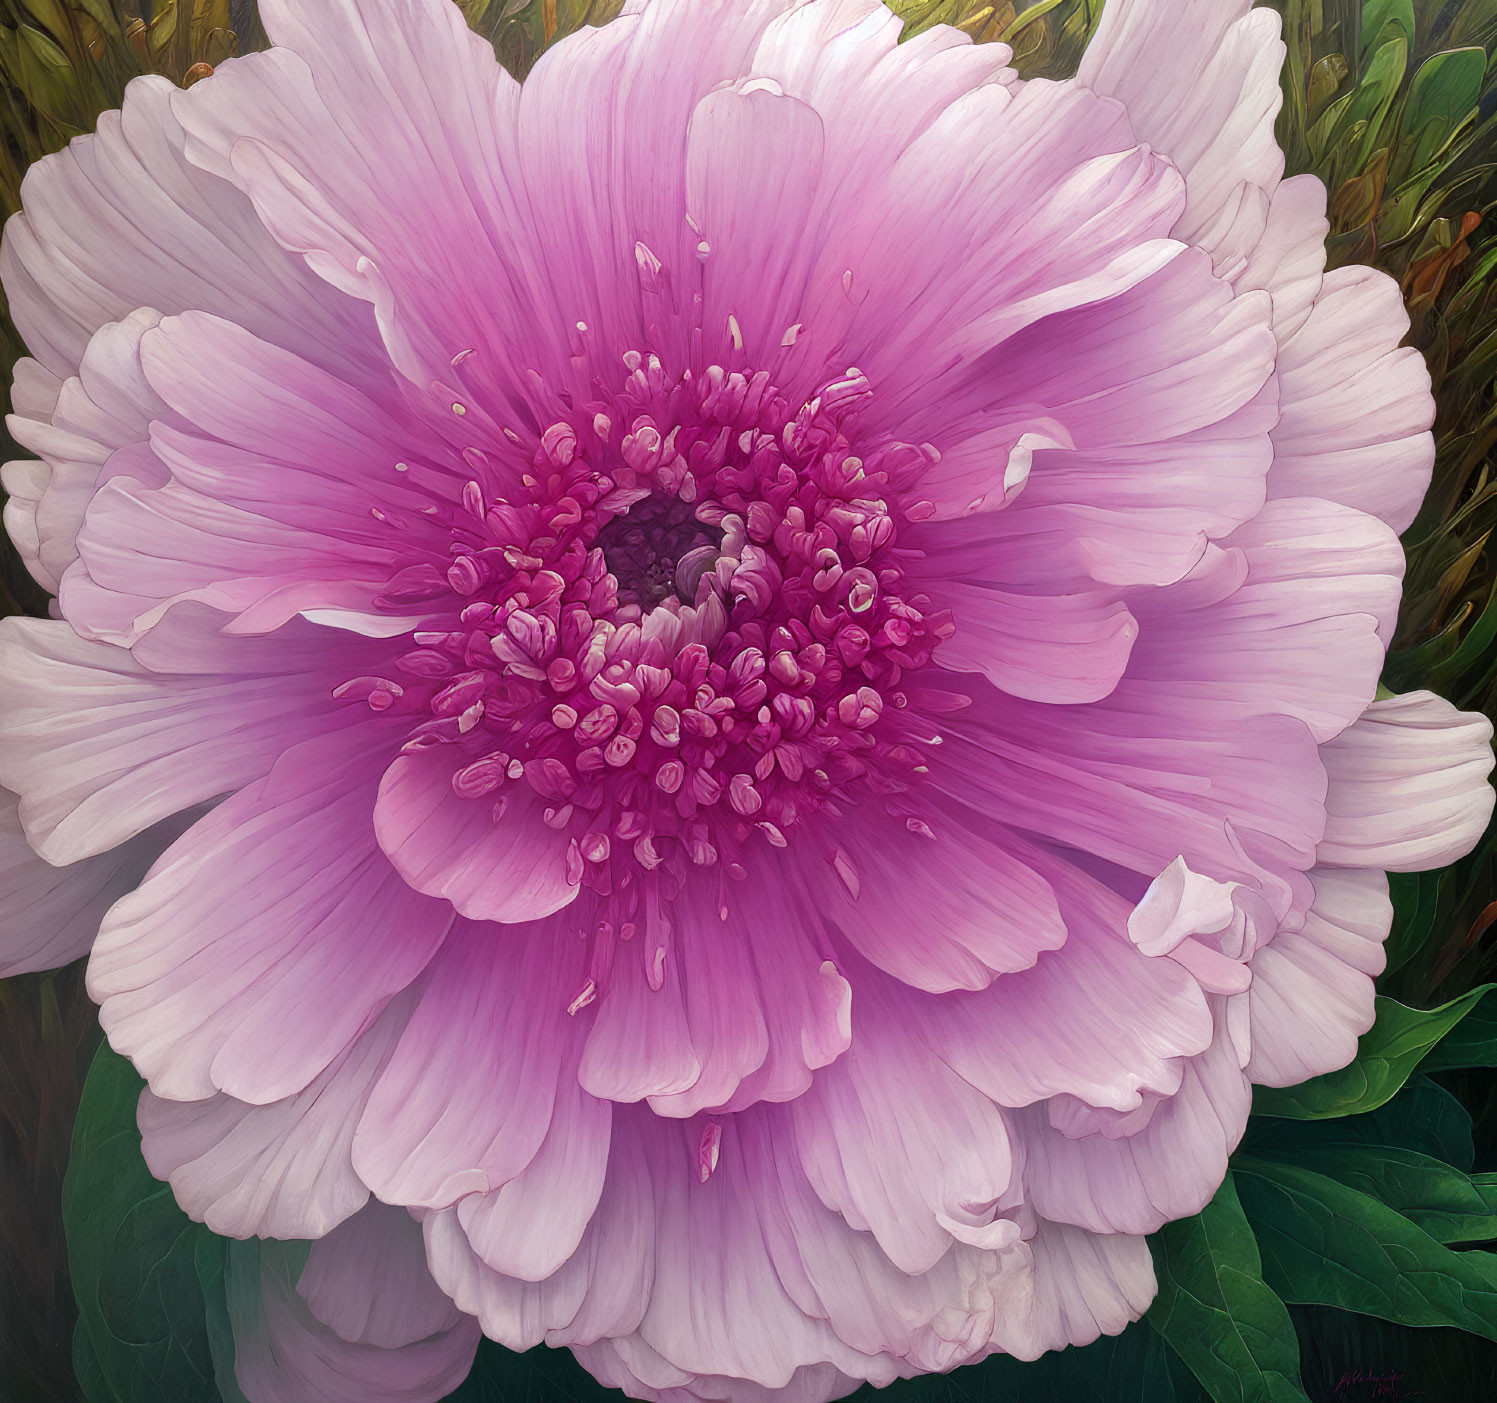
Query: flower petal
{"points": [[50, 915], [1408, 786], [367, 1282], [120, 220], [1344, 358], [1210, 108], [282, 1170], [491, 865], [267, 938], [1312, 994], [100, 745], [284, 1354], [490, 1029]]}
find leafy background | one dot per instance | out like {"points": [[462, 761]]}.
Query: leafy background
{"points": [[1344, 1257]]}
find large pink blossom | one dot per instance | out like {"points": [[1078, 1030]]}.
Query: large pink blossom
{"points": [[745, 673]]}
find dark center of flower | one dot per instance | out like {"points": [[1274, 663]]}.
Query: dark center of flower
{"points": [[657, 548]]}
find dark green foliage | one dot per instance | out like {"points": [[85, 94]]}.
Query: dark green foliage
{"points": [[142, 1332], [1215, 1310]]}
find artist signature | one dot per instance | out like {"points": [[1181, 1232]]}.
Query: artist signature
{"points": [[1363, 1383]]}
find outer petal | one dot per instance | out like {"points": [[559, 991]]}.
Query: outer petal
{"points": [[282, 1170], [1097, 1018], [120, 220], [1343, 360], [1210, 108], [491, 1030], [106, 406], [1408, 786], [367, 1282], [100, 744], [50, 915], [284, 1354], [408, 97], [1294, 619], [1086, 1285], [900, 1145], [273, 496], [528, 1227], [267, 938], [1312, 994], [1134, 1180]]}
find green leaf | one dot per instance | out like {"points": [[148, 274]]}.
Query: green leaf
{"points": [[1386, 1056], [1384, 20], [1423, 1117], [1324, 1243], [1416, 902], [1215, 1311], [211, 1260], [1471, 1044], [1449, 1205], [131, 1252], [1444, 93]]}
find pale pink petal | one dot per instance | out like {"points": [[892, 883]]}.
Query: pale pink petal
{"points": [[367, 1282], [281, 1170], [1086, 1285], [491, 1029], [529, 1226], [267, 938], [106, 406], [100, 745], [25, 482], [1244, 798], [901, 1146], [1345, 358], [1210, 107], [1289, 260], [1312, 994], [260, 501], [1083, 1004], [120, 221], [1294, 619], [1133, 1178], [284, 1354], [50, 915], [1408, 786]]}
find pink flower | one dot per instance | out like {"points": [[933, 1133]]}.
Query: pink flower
{"points": [[782, 634]]}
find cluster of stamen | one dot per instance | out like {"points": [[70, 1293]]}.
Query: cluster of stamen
{"points": [[684, 632]]}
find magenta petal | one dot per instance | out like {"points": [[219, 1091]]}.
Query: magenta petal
{"points": [[491, 1028], [493, 858], [940, 913]]}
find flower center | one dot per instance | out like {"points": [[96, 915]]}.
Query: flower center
{"points": [[659, 548], [692, 629]]}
